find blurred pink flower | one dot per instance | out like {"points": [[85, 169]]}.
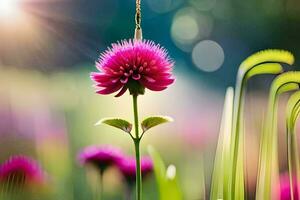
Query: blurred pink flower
{"points": [[127, 166], [133, 65], [285, 192], [21, 171], [101, 157]]}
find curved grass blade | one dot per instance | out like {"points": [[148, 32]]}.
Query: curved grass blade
{"points": [[264, 62], [268, 161], [292, 114], [267, 56]]}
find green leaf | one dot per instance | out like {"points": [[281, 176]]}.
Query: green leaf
{"points": [[159, 166], [153, 121], [166, 179], [117, 123]]}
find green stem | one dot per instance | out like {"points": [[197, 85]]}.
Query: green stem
{"points": [[136, 117], [138, 170], [101, 185], [137, 150]]}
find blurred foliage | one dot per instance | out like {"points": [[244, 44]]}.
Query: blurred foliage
{"points": [[52, 117], [48, 107], [166, 178]]}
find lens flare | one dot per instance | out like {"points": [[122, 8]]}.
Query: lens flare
{"points": [[9, 8]]}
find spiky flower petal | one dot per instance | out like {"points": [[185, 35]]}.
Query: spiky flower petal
{"points": [[21, 171], [127, 166], [100, 157], [133, 65]]}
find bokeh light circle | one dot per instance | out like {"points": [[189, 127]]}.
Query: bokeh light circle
{"points": [[208, 56], [190, 26], [185, 28]]}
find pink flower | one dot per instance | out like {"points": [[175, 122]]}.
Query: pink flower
{"points": [[285, 190], [133, 65], [127, 166], [100, 157], [21, 171]]}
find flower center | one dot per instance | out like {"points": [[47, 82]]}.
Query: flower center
{"points": [[16, 178], [133, 72]]}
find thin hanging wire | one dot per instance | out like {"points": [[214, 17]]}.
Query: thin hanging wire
{"points": [[138, 15], [138, 35]]}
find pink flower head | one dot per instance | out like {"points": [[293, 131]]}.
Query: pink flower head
{"points": [[100, 157], [127, 166], [285, 190], [133, 65], [21, 171]]}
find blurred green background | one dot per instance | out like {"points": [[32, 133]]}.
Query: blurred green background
{"points": [[48, 107]]}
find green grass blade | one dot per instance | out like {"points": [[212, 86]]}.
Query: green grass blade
{"points": [[292, 110], [268, 168], [267, 56], [292, 114], [264, 62], [167, 182], [222, 157], [266, 68]]}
